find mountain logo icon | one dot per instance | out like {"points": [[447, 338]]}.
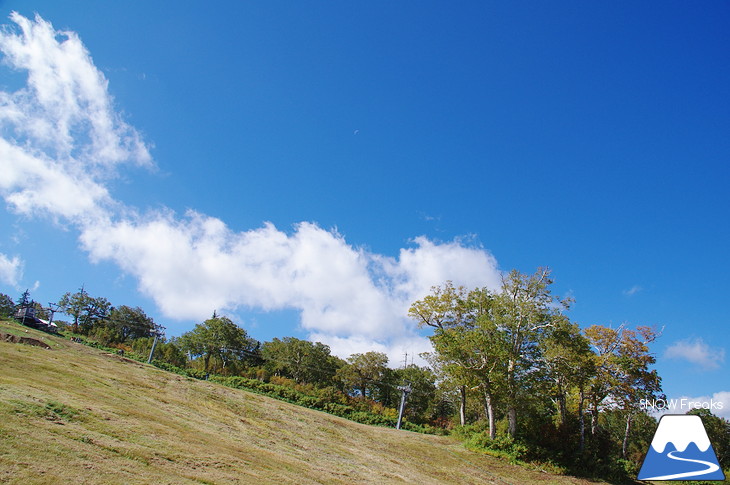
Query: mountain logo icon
{"points": [[681, 450]]}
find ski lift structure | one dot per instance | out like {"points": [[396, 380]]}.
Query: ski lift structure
{"points": [[405, 390], [26, 315]]}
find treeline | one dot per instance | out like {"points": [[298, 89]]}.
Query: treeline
{"points": [[362, 387], [509, 373]]}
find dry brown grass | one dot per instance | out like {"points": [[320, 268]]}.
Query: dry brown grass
{"points": [[74, 414]]}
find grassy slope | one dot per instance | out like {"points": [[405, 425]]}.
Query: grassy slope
{"points": [[75, 414]]}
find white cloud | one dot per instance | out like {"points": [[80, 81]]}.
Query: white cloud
{"points": [[193, 265], [724, 398], [11, 269], [697, 352], [34, 184], [395, 349], [633, 290], [61, 137], [61, 142], [68, 95], [428, 264]]}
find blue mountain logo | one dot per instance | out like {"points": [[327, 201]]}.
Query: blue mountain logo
{"points": [[681, 450]]}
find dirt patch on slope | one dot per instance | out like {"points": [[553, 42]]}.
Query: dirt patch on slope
{"points": [[6, 337]]}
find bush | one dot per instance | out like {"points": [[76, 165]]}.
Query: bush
{"points": [[371, 419], [465, 432], [502, 445]]}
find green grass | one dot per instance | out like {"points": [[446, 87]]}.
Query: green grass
{"points": [[76, 414]]}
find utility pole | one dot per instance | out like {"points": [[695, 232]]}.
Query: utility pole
{"points": [[154, 344], [405, 390]]}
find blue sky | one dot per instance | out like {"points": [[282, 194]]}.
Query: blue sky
{"points": [[318, 166]]}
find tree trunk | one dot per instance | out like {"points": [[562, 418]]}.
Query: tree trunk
{"points": [[594, 419], [462, 405], [562, 408], [489, 408], [582, 420], [512, 396], [625, 445], [512, 420]]}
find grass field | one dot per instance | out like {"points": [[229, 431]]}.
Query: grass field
{"points": [[74, 414]]}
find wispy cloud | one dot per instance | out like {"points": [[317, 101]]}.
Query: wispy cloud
{"points": [[62, 141], [61, 136], [633, 290], [697, 352], [429, 217], [11, 269]]}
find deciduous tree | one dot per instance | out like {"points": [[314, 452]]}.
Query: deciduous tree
{"points": [[85, 309], [301, 360], [363, 372], [623, 374], [124, 325], [525, 309], [570, 366], [220, 340], [444, 309]]}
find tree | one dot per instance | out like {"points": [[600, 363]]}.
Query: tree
{"points": [[300, 360], [561, 349], [73, 305], [468, 344], [363, 372], [32, 311], [24, 300], [422, 382], [473, 356], [483, 349], [524, 310], [623, 375], [7, 306], [165, 351], [448, 391], [85, 310], [604, 341], [637, 381], [40, 312], [443, 309], [220, 340], [570, 365], [124, 325]]}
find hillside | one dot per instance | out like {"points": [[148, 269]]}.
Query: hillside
{"points": [[74, 414]]}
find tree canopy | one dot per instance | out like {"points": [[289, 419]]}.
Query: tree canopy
{"points": [[300, 360], [220, 341], [85, 309]]}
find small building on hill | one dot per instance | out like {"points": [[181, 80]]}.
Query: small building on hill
{"points": [[27, 316]]}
